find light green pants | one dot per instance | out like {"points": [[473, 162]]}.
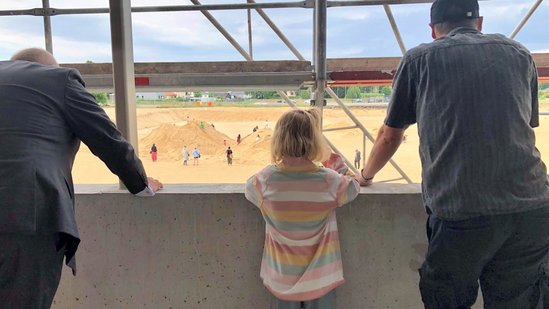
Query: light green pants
{"points": [[325, 302]]}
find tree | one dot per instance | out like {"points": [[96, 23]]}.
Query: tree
{"points": [[101, 98], [264, 94], [339, 91], [386, 91], [353, 93], [304, 94]]}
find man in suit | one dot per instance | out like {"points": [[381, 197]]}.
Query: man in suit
{"points": [[45, 112]]}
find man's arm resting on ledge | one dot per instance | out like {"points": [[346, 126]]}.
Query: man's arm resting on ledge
{"points": [[152, 187], [387, 142]]}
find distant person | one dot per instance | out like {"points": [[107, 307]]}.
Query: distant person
{"points": [[196, 155], [185, 153], [474, 97], [229, 156], [213, 127], [357, 159], [202, 124], [46, 112], [266, 124], [257, 138], [153, 152], [301, 263], [224, 142], [254, 129], [238, 139]]}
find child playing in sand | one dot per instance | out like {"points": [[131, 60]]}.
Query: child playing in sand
{"points": [[301, 263]]}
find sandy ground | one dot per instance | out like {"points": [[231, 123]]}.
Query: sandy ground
{"points": [[171, 129]]}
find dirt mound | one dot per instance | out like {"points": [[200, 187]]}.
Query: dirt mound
{"points": [[170, 139], [254, 149]]}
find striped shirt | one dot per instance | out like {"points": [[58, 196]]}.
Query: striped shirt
{"points": [[301, 257], [474, 97]]}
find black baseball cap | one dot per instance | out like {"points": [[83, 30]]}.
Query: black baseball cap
{"points": [[453, 10]]}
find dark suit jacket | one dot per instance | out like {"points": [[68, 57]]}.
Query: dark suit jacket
{"points": [[44, 114]]}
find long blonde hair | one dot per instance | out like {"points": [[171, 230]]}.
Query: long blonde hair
{"points": [[298, 134]]}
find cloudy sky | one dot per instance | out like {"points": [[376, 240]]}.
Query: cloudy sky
{"points": [[360, 31]]}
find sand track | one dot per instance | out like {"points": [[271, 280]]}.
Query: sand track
{"points": [[171, 129]]}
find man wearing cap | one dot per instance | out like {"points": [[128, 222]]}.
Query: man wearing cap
{"points": [[486, 191]]}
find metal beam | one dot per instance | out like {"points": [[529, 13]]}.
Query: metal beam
{"points": [[290, 73], [250, 45], [122, 56], [169, 8], [365, 132], [235, 75], [395, 28], [321, 18], [47, 27], [278, 32], [525, 19], [224, 32]]}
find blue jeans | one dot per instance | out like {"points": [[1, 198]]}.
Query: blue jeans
{"points": [[506, 253]]}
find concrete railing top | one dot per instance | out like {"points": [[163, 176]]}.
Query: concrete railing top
{"points": [[224, 188]]}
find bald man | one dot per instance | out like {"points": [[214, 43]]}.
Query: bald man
{"points": [[45, 112]]}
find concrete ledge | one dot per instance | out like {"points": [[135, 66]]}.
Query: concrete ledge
{"points": [[224, 188], [200, 246]]}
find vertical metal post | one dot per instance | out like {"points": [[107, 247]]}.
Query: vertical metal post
{"points": [[123, 69], [250, 34], [47, 26], [320, 51]]}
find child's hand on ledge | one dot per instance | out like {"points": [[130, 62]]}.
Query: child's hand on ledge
{"points": [[336, 163]]}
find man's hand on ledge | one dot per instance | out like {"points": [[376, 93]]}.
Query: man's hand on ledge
{"points": [[362, 181], [154, 184]]}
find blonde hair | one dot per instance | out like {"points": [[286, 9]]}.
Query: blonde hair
{"points": [[298, 134]]}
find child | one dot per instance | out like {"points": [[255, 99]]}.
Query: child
{"points": [[301, 259]]}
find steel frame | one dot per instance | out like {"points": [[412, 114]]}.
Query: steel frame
{"points": [[123, 66]]}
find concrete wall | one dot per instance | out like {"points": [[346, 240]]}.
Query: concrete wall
{"points": [[199, 246]]}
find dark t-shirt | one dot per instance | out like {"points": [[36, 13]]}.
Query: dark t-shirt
{"points": [[474, 97]]}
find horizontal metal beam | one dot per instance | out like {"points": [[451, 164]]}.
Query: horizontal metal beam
{"points": [[193, 82], [340, 128], [198, 67], [376, 2], [187, 76], [209, 7], [381, 70], [170, 8], [240, 75]]}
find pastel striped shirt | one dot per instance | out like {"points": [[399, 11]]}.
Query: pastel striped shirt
{"points": [[301, 256]]}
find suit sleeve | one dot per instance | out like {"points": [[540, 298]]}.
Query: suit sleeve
{"points": [[90, 123]]}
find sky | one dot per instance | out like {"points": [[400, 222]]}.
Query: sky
{"points": [[358, 31]]}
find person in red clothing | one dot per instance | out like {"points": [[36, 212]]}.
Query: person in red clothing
{"points": [[154, 150]]}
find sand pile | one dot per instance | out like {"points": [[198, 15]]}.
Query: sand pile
{"points": [[254, 150], [170, 139]]}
